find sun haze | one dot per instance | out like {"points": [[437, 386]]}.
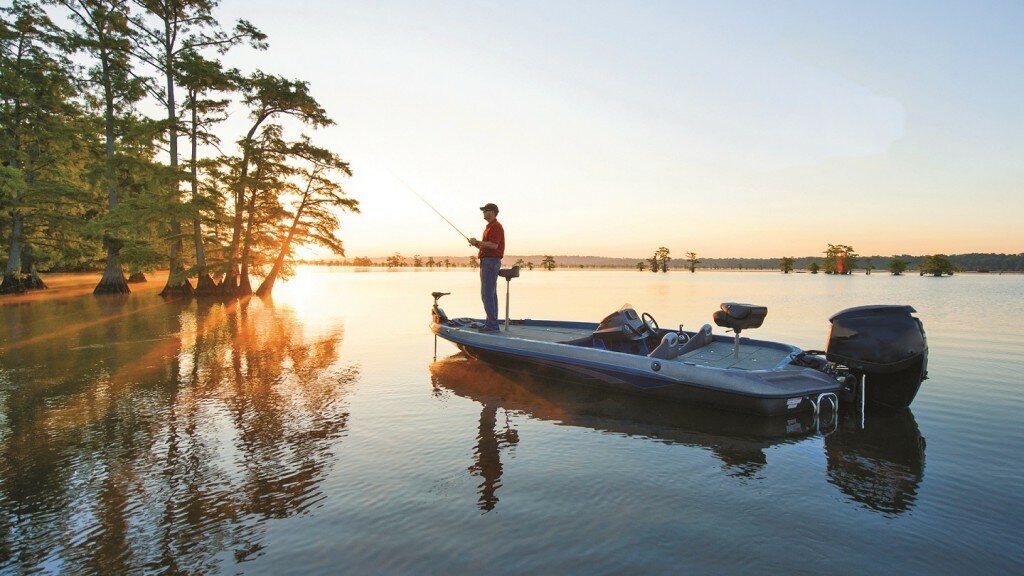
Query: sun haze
{"points": [[729, 129]]}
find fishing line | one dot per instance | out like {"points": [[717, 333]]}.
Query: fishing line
{"points": [[429, 205]]}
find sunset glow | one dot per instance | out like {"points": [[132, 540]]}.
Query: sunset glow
{"points": [[730, 129]]}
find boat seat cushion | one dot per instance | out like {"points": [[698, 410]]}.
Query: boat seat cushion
{"points": [[740, 316], [509, 273]]}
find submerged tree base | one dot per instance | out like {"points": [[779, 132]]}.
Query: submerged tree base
{"points": [[183, 289], [137, 278], [244, 286], [112, 283], [16, 284], [206, 286], [116, 286]]}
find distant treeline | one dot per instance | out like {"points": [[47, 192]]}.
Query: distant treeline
{"points": [[973, 262]]}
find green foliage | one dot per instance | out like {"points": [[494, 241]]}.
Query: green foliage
{"points": [[813, 267], [840, 259], [79, 183], [641, 266], [660, 259], [897, 266], [937, 265], [45, 140], [12, 184], [691, 258], [786, 264], [548, 263], [395, 261]]}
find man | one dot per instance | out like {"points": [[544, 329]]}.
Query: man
{"points": [[491, 249]]}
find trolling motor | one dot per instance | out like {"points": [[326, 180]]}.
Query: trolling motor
{"points": [[508, 274], [439, 316]]}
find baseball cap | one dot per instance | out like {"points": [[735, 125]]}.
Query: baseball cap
{"points": [[490, 206]]}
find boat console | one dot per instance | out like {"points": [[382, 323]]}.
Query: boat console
{"points": [[625, 331]]}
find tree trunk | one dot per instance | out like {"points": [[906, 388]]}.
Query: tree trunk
{"points": [[29, 273], [12, 282], [112, 281], [268, 283], [204, 284], [177, 283], [244, 285], [230, 286]]}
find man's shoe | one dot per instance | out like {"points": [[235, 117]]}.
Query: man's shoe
{"points": [[489, 329]]}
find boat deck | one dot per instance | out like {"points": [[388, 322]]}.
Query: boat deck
{"points": [[718, 354], [545, 333]]}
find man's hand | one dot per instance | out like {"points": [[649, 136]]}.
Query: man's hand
{"points": [[474, 242]]}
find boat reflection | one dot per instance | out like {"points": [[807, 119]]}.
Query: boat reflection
{"points": [[879, 467], [190, 427]]}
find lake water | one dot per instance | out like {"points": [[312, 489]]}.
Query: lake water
{"points": [[316, 433]]}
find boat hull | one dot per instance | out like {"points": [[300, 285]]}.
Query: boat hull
{"points": [[778, 391], [640, 386]]}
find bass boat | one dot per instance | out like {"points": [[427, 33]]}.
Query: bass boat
{"points": [[875, 355]]}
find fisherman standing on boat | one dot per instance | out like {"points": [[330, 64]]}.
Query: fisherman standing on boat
{"points": [[492, 248]]}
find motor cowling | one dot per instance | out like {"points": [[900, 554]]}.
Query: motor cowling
{"points": [[884, 344]]}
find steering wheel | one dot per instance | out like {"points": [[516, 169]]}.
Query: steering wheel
{"points": [[649, 321]]}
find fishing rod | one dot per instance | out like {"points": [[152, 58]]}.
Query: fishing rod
{"points": [[431, 207]]}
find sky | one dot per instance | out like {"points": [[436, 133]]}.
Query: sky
{"points": [[756, 129]]}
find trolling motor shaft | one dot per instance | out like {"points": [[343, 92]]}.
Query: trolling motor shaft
{"points": [[508, 274]]}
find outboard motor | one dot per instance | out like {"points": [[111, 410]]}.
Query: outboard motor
{"points": [[885, 347]]}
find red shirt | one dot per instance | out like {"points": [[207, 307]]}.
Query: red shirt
{"points": [[493, 233]]}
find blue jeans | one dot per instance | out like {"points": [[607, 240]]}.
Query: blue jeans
{"points": [[489, 289]]}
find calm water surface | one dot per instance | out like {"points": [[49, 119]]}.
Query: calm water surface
{"points": [[317, 433]]}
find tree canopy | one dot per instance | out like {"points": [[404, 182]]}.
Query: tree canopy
{"points": [[937, 265], [90, 180]]}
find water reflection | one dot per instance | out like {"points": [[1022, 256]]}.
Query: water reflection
{"points": [[163, 440], [880, 466]]}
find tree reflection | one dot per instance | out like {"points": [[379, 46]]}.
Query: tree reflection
{"points": [[162, 440], [880, 467]]}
